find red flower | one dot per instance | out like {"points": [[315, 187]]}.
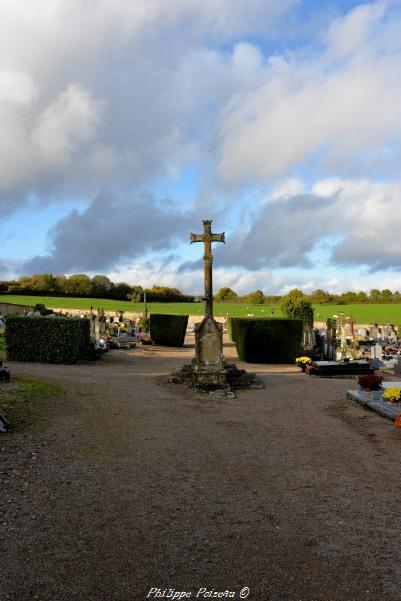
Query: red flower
{"points": [[370, 381]]}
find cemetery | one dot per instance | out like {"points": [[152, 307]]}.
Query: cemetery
{"points": [[165, 434]]}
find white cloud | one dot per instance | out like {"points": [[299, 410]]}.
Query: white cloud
{"points": [[116, 93], [66, 125], [358, 221], [318, 105]]}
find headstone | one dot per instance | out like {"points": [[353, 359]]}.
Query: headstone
{"points": [[376, 352], [309, 338], [331, 338]]}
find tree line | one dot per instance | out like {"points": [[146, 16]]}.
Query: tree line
{"points": [[100, 286], [317, 297]]}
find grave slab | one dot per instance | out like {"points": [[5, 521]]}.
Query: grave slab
{"points": [[374, 400]]}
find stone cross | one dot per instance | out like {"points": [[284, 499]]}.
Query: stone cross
{"points": [[207, 238]]}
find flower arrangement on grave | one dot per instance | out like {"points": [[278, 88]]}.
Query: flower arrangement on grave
{"points": [[397, 421], [144, 338], [303, 360], [370, 382], [392, 394]]}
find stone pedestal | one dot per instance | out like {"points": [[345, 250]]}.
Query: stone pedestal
{"points": [[208, 365], [209, 370]]}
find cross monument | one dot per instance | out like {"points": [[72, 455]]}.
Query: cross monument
{"points": [[207, 238], [208, 365]]}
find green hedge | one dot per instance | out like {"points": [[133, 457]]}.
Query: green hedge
{"points": [[168, 330], [46, 339], [268, 340], [232, 327]]}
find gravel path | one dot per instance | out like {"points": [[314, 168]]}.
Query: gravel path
{"points": [[291, 491]]}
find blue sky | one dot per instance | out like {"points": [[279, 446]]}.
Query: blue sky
{"points": [[123, 128]]}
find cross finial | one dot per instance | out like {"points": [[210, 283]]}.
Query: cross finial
{"points": [[207, 238]]}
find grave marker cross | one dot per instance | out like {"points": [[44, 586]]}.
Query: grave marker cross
{"points": [[207, 238]]}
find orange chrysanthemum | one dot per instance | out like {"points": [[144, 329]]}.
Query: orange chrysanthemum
{"points": [[397, 422]]}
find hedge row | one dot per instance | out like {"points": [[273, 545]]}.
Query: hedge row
{"points": [[46, 339], [168, 330], [269, 340]]}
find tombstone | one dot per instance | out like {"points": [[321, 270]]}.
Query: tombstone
{"points": [[309, 342], [92, 326], [376, 351], [373, 331], [331, 338], [397, 367], [97, 328], [102, 323], [376, 354]]}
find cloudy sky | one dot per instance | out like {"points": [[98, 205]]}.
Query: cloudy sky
{"points": [[125, 123]]}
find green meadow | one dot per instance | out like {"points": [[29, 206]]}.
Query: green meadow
{"points": [[380, 313]]}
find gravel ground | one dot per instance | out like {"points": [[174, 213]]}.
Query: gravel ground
{"points": [[291, 491]]}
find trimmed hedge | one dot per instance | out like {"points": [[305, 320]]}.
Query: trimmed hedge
{"points": [[232, 327], [46, 339], [268, 340], [168, 330]]}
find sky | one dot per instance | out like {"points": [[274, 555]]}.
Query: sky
{"points": [[125, 124]]}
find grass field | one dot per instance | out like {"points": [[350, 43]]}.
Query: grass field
{"points": [[379, 313]]}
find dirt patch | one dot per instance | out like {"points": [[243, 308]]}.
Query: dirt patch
{"points": [[135, 483]]}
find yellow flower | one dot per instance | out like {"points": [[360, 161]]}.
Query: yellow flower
{"points": [[392, 394], [301, 360]]}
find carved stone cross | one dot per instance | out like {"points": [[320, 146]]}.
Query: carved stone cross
{"points": [[207, 238]]}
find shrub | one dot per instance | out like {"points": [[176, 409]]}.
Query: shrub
{"points": [[298, 308], [143, 324], [46, 339], [268, 340], [168, 330]]}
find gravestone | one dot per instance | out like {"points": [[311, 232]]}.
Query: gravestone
{"points": [[331, 338], [309, 340], [374, 331], [376, 352]]}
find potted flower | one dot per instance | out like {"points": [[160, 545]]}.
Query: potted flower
{"points": [[145, 338], [302, 362], [392, 394], [370, 382]]}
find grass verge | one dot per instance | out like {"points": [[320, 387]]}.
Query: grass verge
{"points": [[25, 402]]}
